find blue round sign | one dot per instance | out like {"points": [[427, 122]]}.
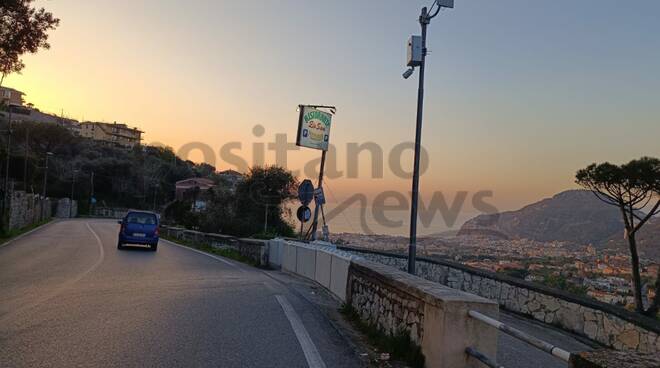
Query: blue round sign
{"points": [[306, 192]]}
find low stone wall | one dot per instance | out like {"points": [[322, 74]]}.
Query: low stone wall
{"points": [[614, 359], [26, 209], [66, 208], [609, 325], [435, 317], [109, 212], [254, 249]]}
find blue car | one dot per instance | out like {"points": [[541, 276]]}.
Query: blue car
{"points": [[139, 227]]}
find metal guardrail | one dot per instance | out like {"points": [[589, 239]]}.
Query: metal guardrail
{"points": [[482, 358], [539, 344]]}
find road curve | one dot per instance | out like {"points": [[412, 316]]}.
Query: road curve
{"points": [[70, 298]]}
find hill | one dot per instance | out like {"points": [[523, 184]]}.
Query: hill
{"points": [[648, 240], [573, 216]]}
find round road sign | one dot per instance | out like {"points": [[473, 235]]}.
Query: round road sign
{"points": [[304, 213], [306, 192]]}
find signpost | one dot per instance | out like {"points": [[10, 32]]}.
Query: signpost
{"points": [[313, 128], [314, 132]]}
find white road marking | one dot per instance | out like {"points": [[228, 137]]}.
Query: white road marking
{"points": [[64, 285], [200, 252], [101, 251], [312, 355]]}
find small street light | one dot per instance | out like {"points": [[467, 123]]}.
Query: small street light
{"points": [[417, 58], [46, 174]]}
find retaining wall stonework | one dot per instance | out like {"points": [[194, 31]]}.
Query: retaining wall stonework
{"points": [[613, 359], [609, 325], [66, 208], [434, 316], [26, 209], [254, 249]]}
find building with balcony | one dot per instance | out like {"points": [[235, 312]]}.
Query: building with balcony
{"points": [[112, 133], [11, 96]]}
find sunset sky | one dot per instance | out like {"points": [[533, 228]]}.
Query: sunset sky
{"points": [[519, 94]]}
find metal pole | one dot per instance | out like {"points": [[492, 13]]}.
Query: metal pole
{"points": [[482, 358], [540, 344], [73, 182], [316, 207], [25, 161], [91, 193], [8, 153], [45, 175], [155, 193], [266, 219], [412, 248]]}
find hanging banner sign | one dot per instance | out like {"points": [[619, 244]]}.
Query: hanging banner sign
{"points": [[313, 128]]}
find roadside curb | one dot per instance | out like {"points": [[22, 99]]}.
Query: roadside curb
{"points": [[20, 236]]}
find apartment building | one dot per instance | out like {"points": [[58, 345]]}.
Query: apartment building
{"points": [[113, 133], [11, 96]]}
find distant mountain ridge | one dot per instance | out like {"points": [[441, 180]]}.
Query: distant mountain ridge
{"points": [[575, 216]]}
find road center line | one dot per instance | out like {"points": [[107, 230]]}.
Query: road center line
{"points": [[312, 355]]}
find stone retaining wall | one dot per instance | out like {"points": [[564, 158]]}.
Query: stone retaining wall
{"points": [[614, 359], [109, 212], [609, 325], [66, 208], [26, 209], [254, 249]]}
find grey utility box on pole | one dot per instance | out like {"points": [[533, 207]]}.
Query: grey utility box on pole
{"points": [[415, 51]]}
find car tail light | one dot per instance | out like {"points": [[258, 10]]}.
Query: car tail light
{"points": [[156, 232], [121, 230]]}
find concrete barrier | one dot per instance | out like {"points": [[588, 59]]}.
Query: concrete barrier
{"points": [[339, 275], [289, 257], [323, 268], [275, 253], [306, 261]]}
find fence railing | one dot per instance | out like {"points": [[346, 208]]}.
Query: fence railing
{"points": [[531, 340]]}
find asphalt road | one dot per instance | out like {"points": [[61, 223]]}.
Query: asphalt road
{"points": [[513, 353], [69, 298]]}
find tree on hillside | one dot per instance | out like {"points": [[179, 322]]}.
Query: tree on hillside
{"points": [[23, 29], [257, 202], [262, 195], [633, 188]]}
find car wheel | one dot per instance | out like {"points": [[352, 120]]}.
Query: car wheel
{"points": [[120, 246], [154, 247]]}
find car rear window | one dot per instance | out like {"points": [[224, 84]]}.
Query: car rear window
{"points": [[141, 218]]}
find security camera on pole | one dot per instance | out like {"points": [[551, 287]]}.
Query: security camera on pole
{"points": [[416, 58], [314, 132]]}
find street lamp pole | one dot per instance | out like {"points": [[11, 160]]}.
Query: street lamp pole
{"points": [[46, 174], [73, 183], [424, 20]]}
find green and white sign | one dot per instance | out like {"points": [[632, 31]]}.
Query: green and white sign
{"points": [[314, 128]]}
